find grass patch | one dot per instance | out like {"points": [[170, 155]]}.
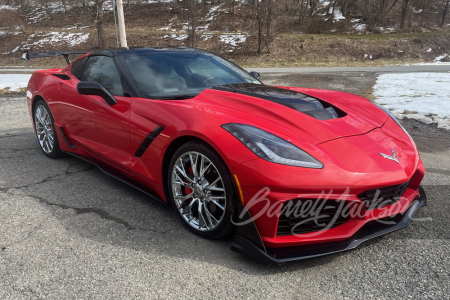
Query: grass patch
{"points": [[340, 63]]}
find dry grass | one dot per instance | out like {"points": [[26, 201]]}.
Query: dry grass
{"points": [[336, 63], [5, 92]]}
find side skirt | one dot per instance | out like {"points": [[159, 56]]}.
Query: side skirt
{"points": [[118, 175]]}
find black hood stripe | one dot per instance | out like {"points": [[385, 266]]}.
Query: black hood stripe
{"points": [[306, 104]]}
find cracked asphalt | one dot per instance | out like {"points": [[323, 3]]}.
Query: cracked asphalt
{"points": [[68, 231]]}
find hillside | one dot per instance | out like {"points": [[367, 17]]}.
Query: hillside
{"points": [[328, 37]]}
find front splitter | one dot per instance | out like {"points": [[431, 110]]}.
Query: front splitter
{"points": [[247, 240]]}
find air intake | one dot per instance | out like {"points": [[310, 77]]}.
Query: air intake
{"points": [[383, 197], [300, 216]]}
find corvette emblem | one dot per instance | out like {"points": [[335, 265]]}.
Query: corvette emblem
{"points": [[393, 157]]}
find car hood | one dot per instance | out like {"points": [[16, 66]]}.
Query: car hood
{"points": [[313, 115]]}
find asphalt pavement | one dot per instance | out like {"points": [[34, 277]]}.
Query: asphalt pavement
{"points": [[68, 231]]}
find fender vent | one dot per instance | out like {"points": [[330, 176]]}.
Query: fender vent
{"points": [[306, 104], [62, 76]]}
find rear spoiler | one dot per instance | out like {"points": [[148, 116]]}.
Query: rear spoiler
{"points": [[27, 55]]}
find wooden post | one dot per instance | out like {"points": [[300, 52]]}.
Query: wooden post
{"points": [[122, 33]]}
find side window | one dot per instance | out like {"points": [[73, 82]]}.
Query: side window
{"points": [[103, 70], [77, 67]]}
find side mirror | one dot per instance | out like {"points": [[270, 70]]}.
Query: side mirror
{"points": [[255, 75], [95, 88]]}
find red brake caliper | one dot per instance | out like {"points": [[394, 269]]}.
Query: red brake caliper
{"points": [[186, 189]]}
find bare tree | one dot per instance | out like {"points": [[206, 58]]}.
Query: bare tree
{"points": [[265, 17], [382, 11], [232, 6], [405, 9], [95, 9], [192, 13], [303, 9], [445, 13], [312, 7], [345, 5], [261, 15]]}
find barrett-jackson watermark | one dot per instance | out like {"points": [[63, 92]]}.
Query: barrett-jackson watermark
{"points": [[324, 212]]}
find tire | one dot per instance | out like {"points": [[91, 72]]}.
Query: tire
{"points": [[46, 130], [213, 191]]}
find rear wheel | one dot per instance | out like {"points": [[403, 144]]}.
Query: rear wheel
{"points": [[45, 130], [202, 191]]}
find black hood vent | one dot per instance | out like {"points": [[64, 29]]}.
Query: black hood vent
{"points": [[311, 106]]}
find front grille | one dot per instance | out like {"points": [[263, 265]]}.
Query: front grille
{"points": [[382, 197], [299, 216]]}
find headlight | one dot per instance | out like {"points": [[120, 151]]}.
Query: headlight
{"points": [[272, 148], [386, 110]]}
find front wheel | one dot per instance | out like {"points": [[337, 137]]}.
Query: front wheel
{"points": [[202, 191], [45, 130]]}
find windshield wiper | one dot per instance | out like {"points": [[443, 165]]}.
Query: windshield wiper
{"points": [[177, 97]]}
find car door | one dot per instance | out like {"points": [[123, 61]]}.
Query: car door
{"points": [[102, 129]]}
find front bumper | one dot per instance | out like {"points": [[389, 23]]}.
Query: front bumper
{"points": [[247, 240]]}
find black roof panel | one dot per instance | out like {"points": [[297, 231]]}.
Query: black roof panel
{"points": [[118, 51]]}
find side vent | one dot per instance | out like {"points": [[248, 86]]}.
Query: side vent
{"points": [[62, 76], [147, 141]]}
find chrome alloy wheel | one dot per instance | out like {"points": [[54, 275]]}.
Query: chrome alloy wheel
{"points": [[198, 191], [44, 129]]}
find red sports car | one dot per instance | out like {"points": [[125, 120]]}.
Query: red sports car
{"points": [[294, 173]]}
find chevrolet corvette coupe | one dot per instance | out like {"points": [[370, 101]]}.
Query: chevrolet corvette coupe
{"points": [[293, 173]]}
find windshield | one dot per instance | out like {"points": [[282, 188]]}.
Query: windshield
{"points": [[180, 75]]}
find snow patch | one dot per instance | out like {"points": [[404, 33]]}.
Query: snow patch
{"points": [[338, 14], [232, 40], [13, 82], [421, 96], [360, 27], [52, 38], [158, 1], [441, 57], [178, 37], [8, 7], [212, 13]]}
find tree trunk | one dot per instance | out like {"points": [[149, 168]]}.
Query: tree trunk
{"points": [[382, 12], [193, 37], [312, 6], [255, 6], [300, 16], [100, 30], [260, 28], [404, 13], [445, 14], [423, 12], [269, 25]]}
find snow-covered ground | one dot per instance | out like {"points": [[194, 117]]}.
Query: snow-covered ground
{"points": [[69, 39], [438, 61], [421, 96], [233, 39], [13, 82]]}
